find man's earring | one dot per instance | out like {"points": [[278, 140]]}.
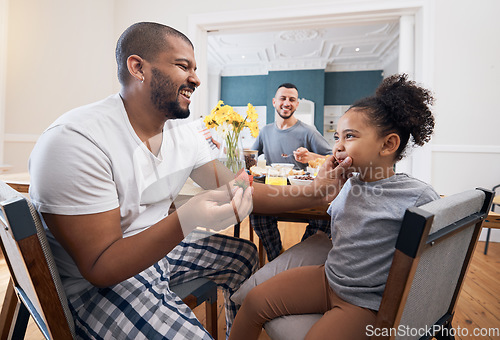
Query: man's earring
{"points": [[142, 81]]}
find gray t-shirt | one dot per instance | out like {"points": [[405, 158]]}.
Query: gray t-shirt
{"points": [[366, 219], [273, 143]]}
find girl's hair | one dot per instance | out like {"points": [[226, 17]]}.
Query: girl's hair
{"points": [[400, 106]]}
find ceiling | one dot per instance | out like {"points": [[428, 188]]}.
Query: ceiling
{"points": [[360, 47]]}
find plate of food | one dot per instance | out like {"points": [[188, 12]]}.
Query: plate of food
{"points": [[258, 173], [316, 163], [300, 179]]}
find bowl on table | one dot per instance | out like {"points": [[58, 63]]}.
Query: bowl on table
{"points": [[300, 179], [284, 169]]}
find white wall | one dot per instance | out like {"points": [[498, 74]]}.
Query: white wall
{"points": [[61, 54], [466, 147], [4, 8], [391, 68], [214, 84], [467, 68]]}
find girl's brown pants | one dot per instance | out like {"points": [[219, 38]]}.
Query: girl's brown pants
{"points": [[302, 290]]}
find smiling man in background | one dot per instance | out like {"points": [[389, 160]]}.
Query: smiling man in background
{"points": [[287, 140]]}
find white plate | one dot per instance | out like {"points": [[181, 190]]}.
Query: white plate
{"points": [[295, 181]]}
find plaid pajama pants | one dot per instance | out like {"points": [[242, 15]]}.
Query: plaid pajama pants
{"points": [[266, 227], [144, 307]]}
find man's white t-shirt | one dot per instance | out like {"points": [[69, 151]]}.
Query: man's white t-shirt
{"points": [[90, 160]]}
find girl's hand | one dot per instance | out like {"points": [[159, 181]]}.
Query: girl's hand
{"points": [[332, 176]]}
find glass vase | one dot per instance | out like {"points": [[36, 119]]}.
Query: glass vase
{"points": [[232, 153]]}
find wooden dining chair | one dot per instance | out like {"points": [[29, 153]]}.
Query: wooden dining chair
{"points": [[432, 255], [194, 293], [35, 288]]}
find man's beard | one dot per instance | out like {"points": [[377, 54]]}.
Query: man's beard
{"points": [[161, 89], [283, 116]]}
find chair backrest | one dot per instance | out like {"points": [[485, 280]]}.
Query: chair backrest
{"points": [[31, 265], [433, 252]]}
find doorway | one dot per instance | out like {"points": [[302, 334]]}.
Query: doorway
{"points": [[322, 15]]}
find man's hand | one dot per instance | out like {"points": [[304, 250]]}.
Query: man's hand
{"points": [[303, 155], [331, 177], [216, 209]]}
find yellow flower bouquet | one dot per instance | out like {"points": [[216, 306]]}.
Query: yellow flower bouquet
{"points": [[228, 123]]}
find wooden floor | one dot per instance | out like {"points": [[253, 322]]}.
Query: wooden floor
{"points": [[478, 306]]}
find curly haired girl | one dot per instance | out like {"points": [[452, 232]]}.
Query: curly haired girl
{"points": [[366, 217]]}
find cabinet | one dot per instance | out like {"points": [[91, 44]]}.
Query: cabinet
{"points": [[305, 111], [332, 113]]}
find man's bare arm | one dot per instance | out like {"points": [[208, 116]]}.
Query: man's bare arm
{"points": [[275, 199], [103, 256]]}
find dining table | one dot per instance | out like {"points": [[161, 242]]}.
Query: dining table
{"points": [[493, 218], [19, 181], [496, 200]]}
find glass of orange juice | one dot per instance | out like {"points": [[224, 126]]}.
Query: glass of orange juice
{"points": [[276, 176]]}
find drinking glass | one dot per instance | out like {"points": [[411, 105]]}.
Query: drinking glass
{"points": [[276, 176]]}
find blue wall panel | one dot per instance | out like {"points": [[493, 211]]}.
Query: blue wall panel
{"points": [[344, 88], [239, 91]]}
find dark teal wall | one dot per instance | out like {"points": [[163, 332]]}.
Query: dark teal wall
{"points": [[239, 91], [323, 88], [344, 88]]}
